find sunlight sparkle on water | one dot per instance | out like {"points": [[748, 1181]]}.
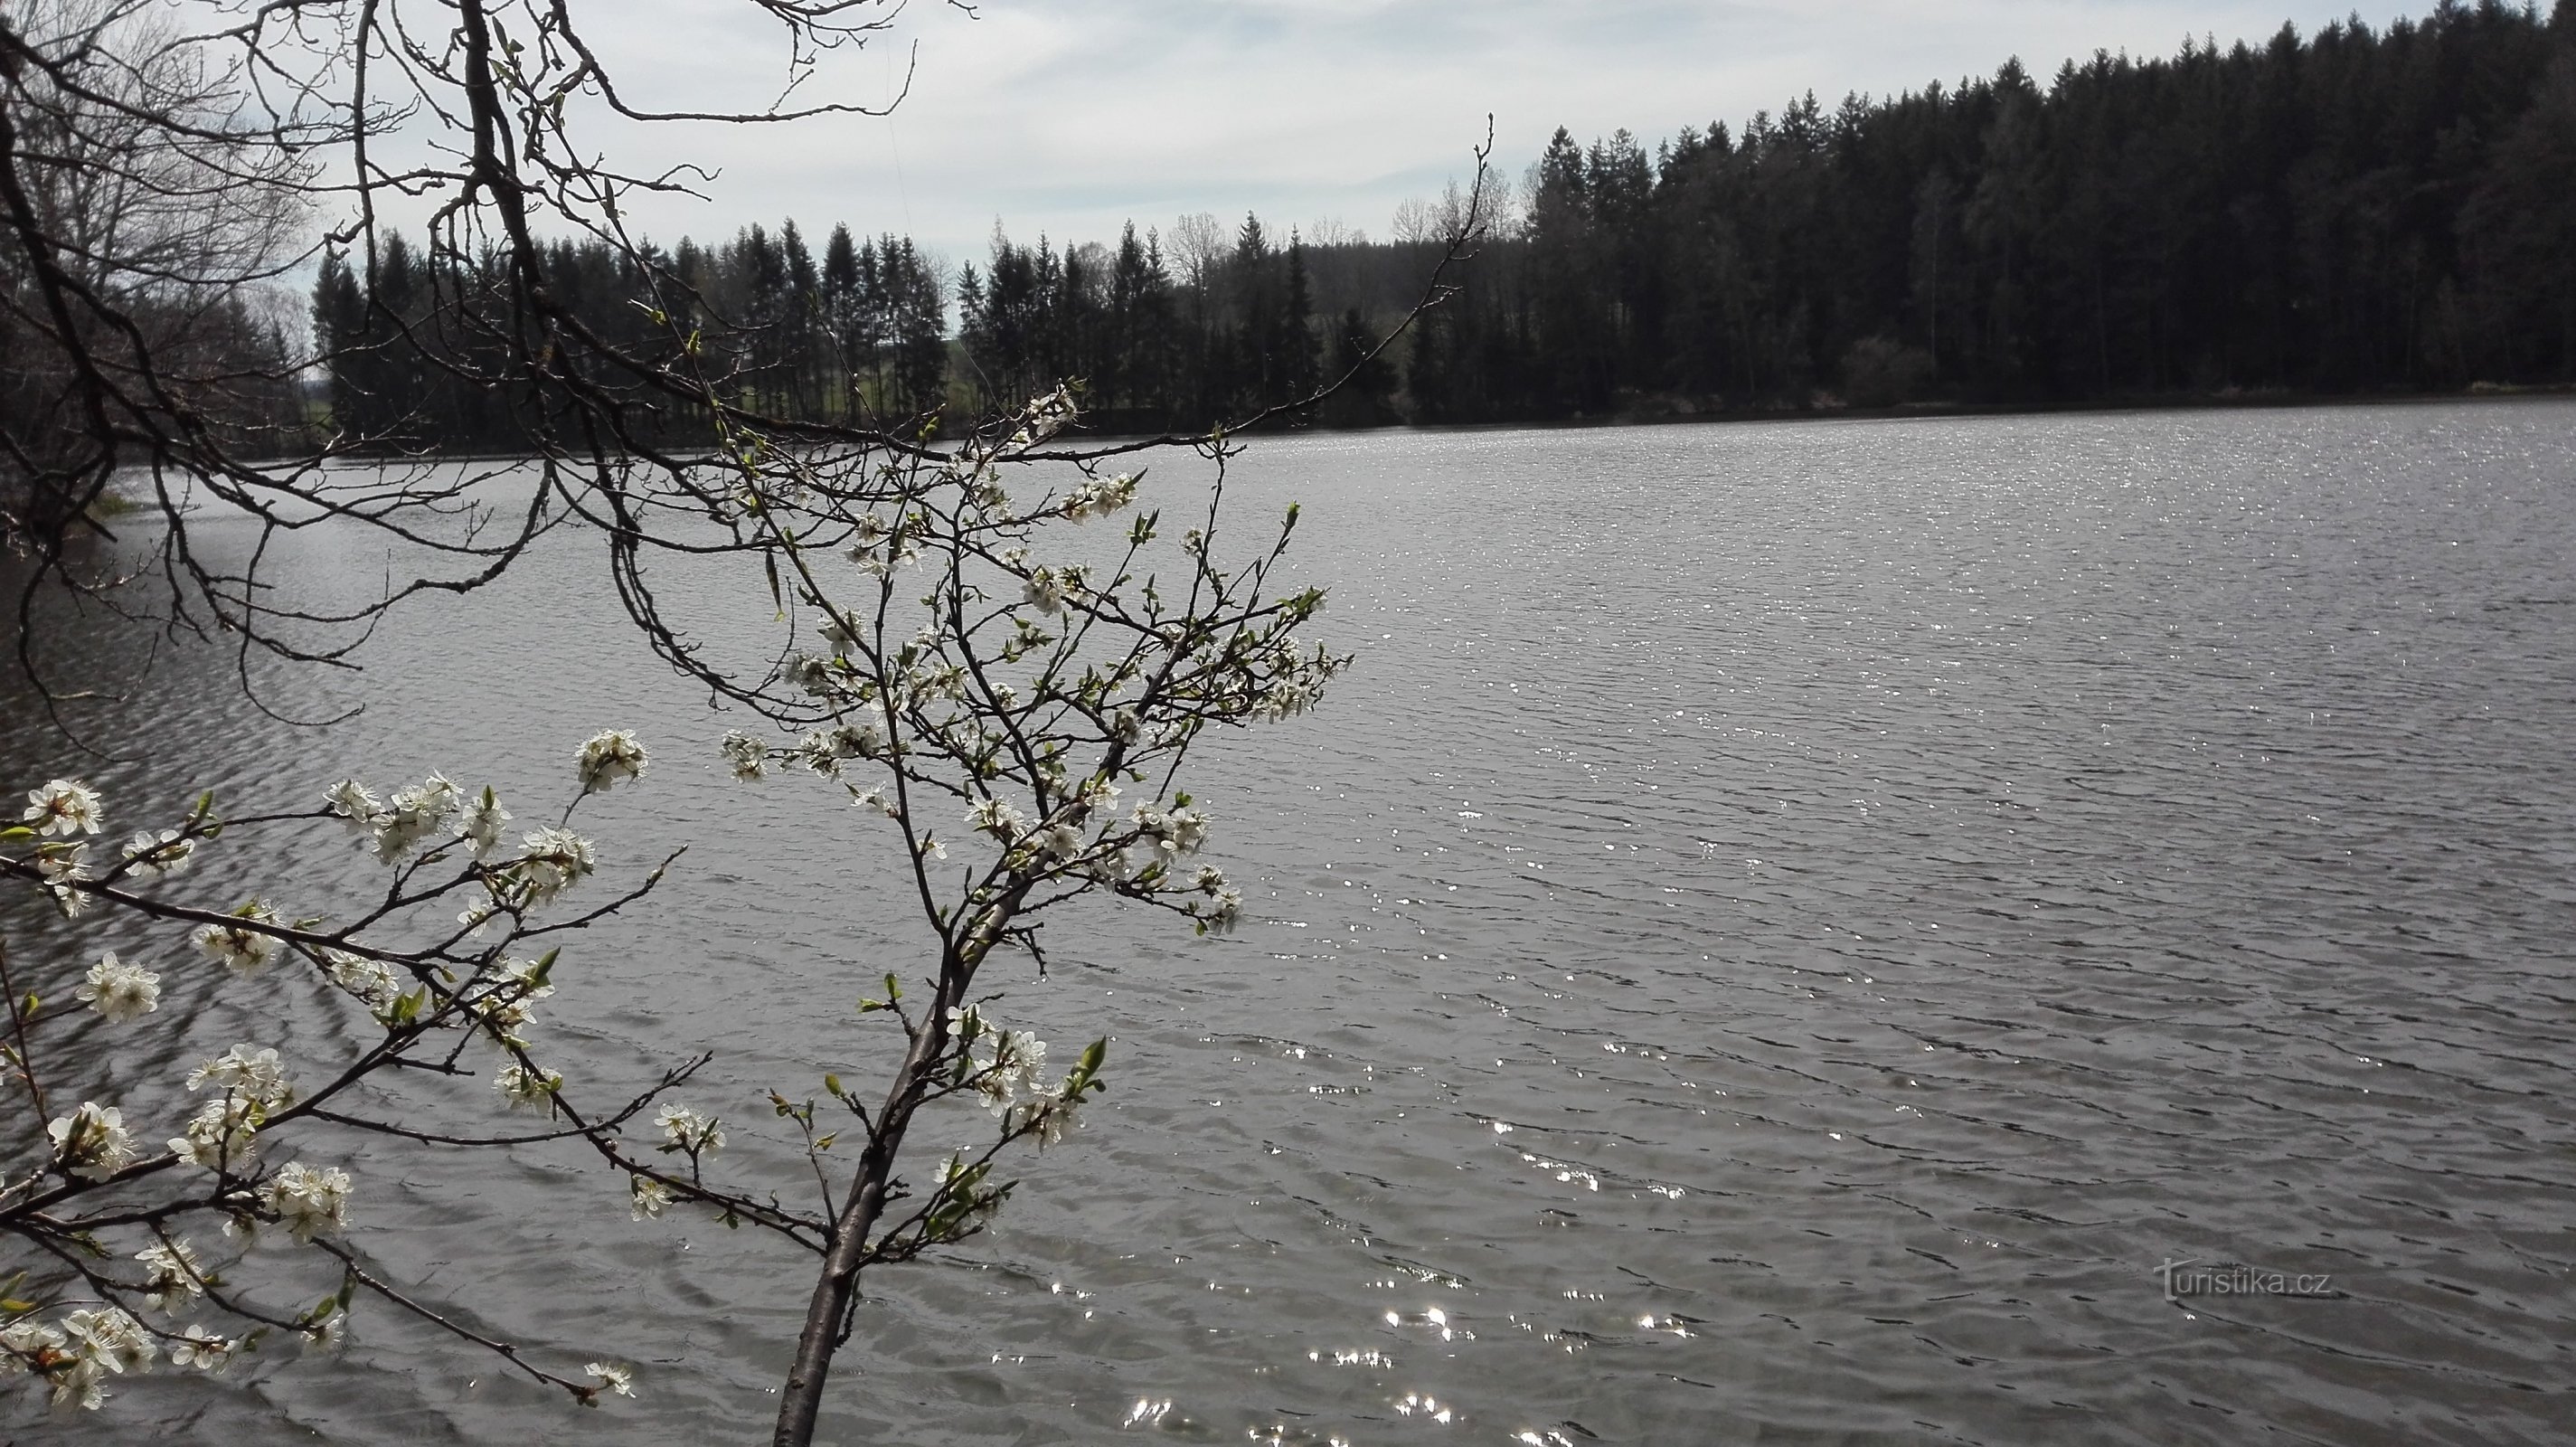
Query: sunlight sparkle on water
{"points": [[1415, 1402]]}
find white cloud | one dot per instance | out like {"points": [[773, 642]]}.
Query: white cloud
{"points": [[1068, 117]]}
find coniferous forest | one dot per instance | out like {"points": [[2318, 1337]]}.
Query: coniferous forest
{"points": [[2363, 210]]}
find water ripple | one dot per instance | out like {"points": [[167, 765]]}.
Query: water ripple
{"points": [[1784, 932]]}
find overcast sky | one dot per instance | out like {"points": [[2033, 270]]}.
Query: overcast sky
{"points": [[1067, 116]]}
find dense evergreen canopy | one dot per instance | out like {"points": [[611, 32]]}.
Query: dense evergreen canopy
{"points": [[2358, 210]]}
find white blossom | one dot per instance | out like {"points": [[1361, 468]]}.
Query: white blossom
{"points": [[1174, 833], [1098, 795], [311, 1201], [647, 1198], [27, 1339], [511, 1001], [205, 1353], [240, 949], [1043, 591], [947, 681], [475, 915], [172, 1276], [960, 1181], [747, 756], [985, 490], [119, 991], [686, 1130], [62, 866], [820, 752], [862, 740], [804, 671], [1289, 699], [150, 855], [64, 806], [437, 796], [222, 1136], [865, 739], [356, 805], [1044, 417], [865, 536], [525, 1089], [612, 1377], [102, 1341], [109, 1336], [1221, 915], [1100, 497], [1053, 1117], [1009, 1075], [92, 1142], [249, 1072], [556, 860], [481, 826], [372, 981], [608, 757], [416, 813], [991, 816], [880, 562], [1186, 831]]}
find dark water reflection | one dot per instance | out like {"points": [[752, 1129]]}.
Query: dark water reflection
{"points": [[1784, 931]]}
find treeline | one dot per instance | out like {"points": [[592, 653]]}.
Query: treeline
{"points": [[858, 336], [164, 347], [2360, 210], [1236, 329]]}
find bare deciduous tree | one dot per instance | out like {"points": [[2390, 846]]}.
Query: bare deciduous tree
{"points": [[952, 648]]}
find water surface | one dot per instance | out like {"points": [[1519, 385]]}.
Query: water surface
{"points": [[1782, 933]]}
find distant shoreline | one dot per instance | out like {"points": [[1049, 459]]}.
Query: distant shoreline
{"points": [[2191, 402], [1678, 414], [1649, 416]]}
